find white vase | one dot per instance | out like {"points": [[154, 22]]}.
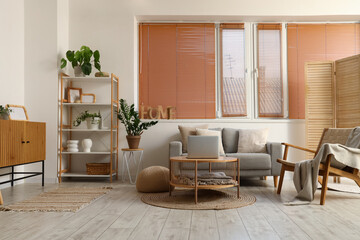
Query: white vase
{"points": [[72, 145], [78, 72], [86, 144], [93, 123]]}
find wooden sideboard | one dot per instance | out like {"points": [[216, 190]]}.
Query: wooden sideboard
{"points": [[22, 142]]}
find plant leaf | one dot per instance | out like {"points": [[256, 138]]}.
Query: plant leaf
{"points": [[70, 55], [63, 63], [97, 66], [86, 68], [97, 56]]}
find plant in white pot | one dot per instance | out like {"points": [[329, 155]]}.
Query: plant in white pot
{"points": [[133, 125], [92, 120], [81, 61], [4, 112]]}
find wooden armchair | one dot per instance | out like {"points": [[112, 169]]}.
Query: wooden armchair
{"points": [[329, 135]]}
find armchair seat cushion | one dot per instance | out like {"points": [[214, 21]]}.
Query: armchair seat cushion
{"points": [[253, 161]]}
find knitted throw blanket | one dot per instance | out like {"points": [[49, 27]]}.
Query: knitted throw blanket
{"points": [[306, 172]]}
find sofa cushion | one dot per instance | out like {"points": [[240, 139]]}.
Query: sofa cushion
{"points": [[230, 138], [252, 140], [186, 131], [253, 161]]}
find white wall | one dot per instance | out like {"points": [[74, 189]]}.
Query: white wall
{"points": [[12, 58], [12, 52], [41, 76]]}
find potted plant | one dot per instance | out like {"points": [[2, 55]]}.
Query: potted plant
{"points": [[133, 125], [81, 61], [5, 111], [92, 120]]}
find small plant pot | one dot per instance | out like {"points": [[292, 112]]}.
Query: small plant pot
{"points": [[4, 116], [93, 123], [133, 141], [78, 72]]}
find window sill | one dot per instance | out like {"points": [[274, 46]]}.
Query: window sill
{"points": [[229, 120]]}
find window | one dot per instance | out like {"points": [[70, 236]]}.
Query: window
{"points": [[177, 68], [233, 85], [270, 93], [315, 42]]}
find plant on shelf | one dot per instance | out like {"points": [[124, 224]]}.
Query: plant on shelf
{"points": [[133, 125], [5, 111], [92, 119], [81, 60]]}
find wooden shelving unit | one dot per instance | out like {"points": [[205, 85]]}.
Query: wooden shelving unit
{"points": [[66, 131]]}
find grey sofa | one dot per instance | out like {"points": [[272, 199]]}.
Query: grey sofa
{"points": [[251, 164]]}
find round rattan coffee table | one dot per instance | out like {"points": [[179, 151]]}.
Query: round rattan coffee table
{"points": [[196, 161]]}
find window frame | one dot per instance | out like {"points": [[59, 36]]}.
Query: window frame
{"points": [[257, 79], [220, 69]]}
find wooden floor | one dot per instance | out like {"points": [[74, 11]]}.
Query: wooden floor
{"points": [[120, 214]]}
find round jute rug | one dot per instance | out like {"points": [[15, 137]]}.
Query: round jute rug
{"points": [[207, 199]]}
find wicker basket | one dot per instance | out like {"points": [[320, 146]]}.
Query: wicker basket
{"points": [[98, 168]]}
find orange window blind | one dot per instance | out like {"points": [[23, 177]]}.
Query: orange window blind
{"points": [[233, 87], [270, 93], [315, 42], [177, 68]]}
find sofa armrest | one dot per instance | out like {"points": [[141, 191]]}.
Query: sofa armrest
{"points": [[175, 148], [275, 151]]}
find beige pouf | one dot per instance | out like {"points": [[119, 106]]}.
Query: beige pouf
{"points": [[153, 179]]}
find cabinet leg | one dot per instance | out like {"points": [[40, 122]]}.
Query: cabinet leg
{"points": [[43, 173], [12, 176]]}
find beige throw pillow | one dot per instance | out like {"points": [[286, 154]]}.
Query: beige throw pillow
{"points": [[252, 140], [206, 132], [186, 131]]}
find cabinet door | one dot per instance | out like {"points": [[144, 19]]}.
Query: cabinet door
{"points": [[11, 142], [35, 137]]}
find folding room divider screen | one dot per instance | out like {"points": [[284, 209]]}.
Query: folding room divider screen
{"points": [[332, 97]]}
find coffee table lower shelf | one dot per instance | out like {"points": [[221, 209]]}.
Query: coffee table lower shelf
{"points": [[196, 186], [204, 186]]}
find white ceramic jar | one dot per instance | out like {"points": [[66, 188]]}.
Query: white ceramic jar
{"points": [[86, 144], [72, 145]]}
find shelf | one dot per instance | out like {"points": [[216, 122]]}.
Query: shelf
{"points": [[89, 79], [84, 174], [89, 104], [87, 153], [87, 130]]}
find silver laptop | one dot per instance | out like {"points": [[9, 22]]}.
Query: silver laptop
{"points": [[203, 147]]}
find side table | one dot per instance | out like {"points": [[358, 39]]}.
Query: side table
{"points": [[127, 159]]}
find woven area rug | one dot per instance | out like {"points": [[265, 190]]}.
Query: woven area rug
{"points": [[207, 199], [59, 200]]}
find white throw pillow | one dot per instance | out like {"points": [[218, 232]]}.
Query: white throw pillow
{"points": [[206, 132], [252, 140], [186, 131]]}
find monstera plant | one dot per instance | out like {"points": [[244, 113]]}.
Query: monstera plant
{"points": [[82, 61], [133, 125]]}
